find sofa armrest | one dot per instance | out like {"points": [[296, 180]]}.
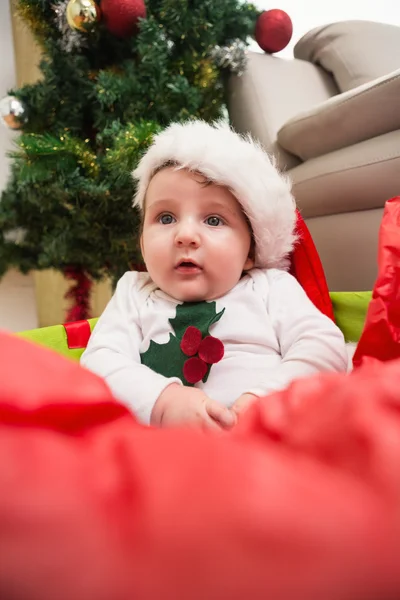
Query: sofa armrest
{"points": [[271, 91], [355, 52], [360, 114]]}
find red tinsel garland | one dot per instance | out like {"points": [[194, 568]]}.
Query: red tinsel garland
{"points": [[79, 294]]}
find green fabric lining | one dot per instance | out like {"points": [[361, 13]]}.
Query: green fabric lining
{"points": [[55, 338], [350, 310]]}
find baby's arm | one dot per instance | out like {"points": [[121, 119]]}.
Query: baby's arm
{"points": [[113, 353], [309, 341]]}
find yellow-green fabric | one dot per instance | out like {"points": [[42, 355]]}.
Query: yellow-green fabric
{"points": [[350, 311], [55, 337]]}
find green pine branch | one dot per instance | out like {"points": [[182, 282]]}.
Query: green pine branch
{"points": [[90, 118]]}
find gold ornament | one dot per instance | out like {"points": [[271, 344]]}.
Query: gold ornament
{"points": [[12, 112], [206, 73], [82, 14]]}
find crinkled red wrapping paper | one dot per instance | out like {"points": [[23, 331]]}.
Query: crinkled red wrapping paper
{"points": [[380, 338], [300, 501]]}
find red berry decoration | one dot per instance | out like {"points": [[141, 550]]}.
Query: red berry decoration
{"points": [[191, 341], [211, 350], [194, 369], [274, 30], [121, 16]]}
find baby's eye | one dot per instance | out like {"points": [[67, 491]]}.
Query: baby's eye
{"points": [[166, 219], [214, 221]]}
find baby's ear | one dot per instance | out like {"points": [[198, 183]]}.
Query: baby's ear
{"points": [[251, 259], [249, 264], [141, 244]]}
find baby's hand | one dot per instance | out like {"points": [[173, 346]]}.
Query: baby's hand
{"points": [[243, 403], [179, 405]]}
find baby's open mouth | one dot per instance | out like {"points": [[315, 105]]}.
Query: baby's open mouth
{"points": [[187, 265]]}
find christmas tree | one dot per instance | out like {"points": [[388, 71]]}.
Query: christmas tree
{"points": [[114, 72]]}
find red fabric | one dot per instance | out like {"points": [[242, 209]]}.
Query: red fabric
{"points": [[301, 500], [78, 334], [211, 350], [306, 266], [380, 338]]}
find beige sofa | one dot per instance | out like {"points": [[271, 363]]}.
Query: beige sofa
{"points": [[331, 116]]}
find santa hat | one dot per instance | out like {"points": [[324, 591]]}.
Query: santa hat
{"points": [[239, 163]]}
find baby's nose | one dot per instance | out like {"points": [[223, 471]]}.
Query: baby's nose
{"points": [[187, 235]]}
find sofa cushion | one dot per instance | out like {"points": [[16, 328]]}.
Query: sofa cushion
{"points": [[356, 178], [355, 52], [359, 114], [347, 244]]}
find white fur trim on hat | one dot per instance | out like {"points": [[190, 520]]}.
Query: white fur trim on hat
{"points": [[240, 164]]}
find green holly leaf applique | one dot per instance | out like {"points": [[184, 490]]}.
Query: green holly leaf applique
{"points": [[168, 359]]}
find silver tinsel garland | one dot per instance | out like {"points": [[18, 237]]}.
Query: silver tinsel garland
{"points": [[15, 236], [232, 57], [71, 39]]}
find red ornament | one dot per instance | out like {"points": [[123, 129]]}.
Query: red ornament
{"points": [[191, 341], [121, 16], [274, 30], [211, 350], [194, 369]]}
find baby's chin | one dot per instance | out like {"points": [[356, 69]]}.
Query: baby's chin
{"points": [[193, 296], [181, 297]]}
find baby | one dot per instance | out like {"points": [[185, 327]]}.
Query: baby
{"points": [[217, 321]]}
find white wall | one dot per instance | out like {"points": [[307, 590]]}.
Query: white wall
{"points": [[17, 295], [307, 14], [7, 81]]}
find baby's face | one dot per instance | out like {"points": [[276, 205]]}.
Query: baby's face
{"points": [[195, 240]]}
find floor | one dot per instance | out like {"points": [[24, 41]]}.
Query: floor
{"points": [[17, 302]]}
